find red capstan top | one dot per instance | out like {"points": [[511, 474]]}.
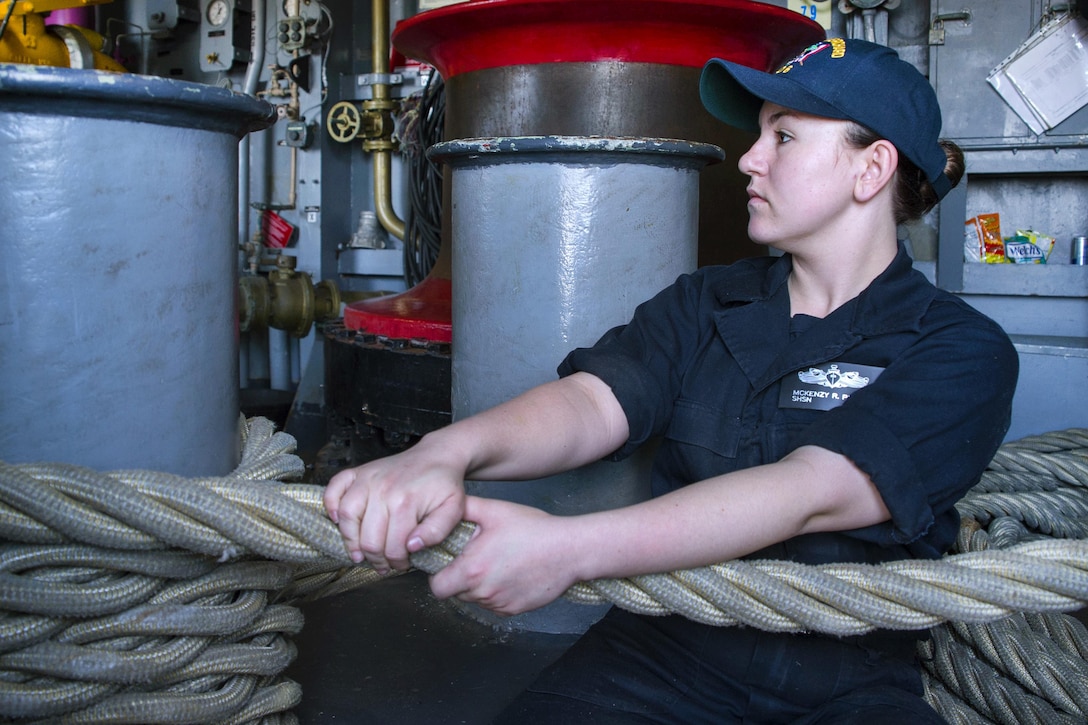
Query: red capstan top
{"points": [[481, 34]]}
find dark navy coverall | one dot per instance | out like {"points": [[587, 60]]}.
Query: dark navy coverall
{"points": [[907, 381]]}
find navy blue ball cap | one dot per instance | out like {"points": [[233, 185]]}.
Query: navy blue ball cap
{"points": [[852, 80]]}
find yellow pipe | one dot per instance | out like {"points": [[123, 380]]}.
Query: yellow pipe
{"points": [[379, 46], [383, 194], [25, 7], [383, 158], [28, 40]]}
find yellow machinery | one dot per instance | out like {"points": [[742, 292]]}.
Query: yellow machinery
{"points": [[25, 37]]}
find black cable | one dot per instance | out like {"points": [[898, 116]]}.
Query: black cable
{"points": [[423, 227], [7, 17]]}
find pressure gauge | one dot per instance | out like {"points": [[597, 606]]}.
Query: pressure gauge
{"points": [[224, 34], [218, 12]]}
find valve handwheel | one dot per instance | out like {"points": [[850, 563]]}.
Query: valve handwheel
{"points": [[344, 121]]}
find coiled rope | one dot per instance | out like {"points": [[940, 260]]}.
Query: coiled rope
{"points": [[143, 597]]}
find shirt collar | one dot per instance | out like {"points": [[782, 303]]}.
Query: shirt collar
{"points": [[895, 300], [753, 297]]}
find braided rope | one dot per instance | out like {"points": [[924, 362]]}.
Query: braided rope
{"points": [[122, 601], [844, 599], [1029, 667], [127, 596]]}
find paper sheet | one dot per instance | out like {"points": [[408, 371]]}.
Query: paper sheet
{"points": [[1045, 81]]}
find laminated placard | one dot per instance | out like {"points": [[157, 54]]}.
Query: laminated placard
{"points": [[1045, 80]]}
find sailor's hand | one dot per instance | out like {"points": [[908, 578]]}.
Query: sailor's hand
{"points": [[513, 563], [394, 506]]}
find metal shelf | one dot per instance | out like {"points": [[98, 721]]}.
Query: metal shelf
{"points": [[954, 275]]}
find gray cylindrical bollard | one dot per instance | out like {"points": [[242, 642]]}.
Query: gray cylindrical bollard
{"points": [[118, 322], [557, 240]]}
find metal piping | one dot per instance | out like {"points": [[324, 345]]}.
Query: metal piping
{"points": [[383, 156], [383, 194], [248, 362], [253, 75]]}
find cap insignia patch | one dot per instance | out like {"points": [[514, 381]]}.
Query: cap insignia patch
{"points": [[837, 46]]}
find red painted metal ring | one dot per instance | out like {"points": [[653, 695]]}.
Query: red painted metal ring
{"points": [[421, 312], [481, 34]]}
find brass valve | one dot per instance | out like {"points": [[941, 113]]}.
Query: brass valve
{"points": [[377, 130], [286, 300], [345, 122]]}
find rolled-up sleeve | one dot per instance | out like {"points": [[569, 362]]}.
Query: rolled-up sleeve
{"points": [[642, 361]]}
